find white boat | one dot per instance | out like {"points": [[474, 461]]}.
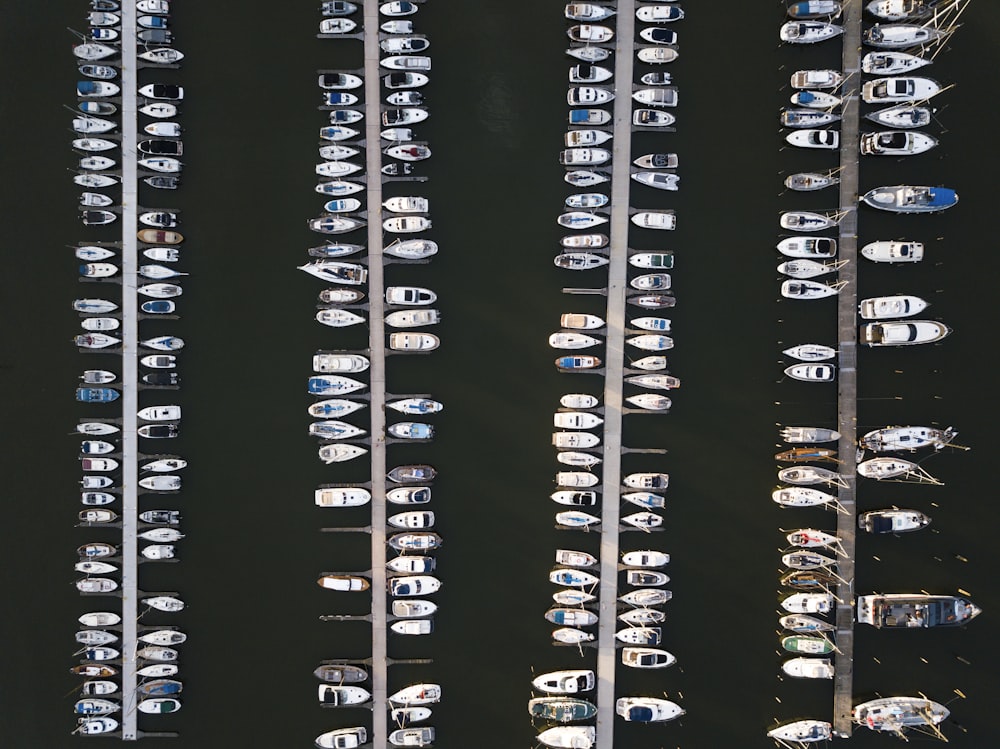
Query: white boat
{"points": [[649, 559], [576, 479], [162, 56], [663, 220], [160, 290], [657, 180], [658, 35], [99, 725], [421, 63], [411, 565], [642, 636], [903, 333], [334, 430], [576, 519], [325, 363], [646, 597], [794, 288], [647, 480], [576, 420], [413, 341], [585, 178], [580, 321], [891, 63], [422, 736], [590, 33], [589, 54], [406, 204], [659, 13], [160, 413], [901, 35], [405, 80], [331, 695], [398, 8], [648, 500], [572, 341], [163, 164], [160, 483], [903, 116], [814, 9], [808, 247], [647, 709], [898, 439], [413, 608], [797, 435], [339, 453], [806, 475], [96, 568], [638, 657], [98, 585], [811, 372], [416, 406], [580, 220], [652, 118], [345, 497], [896, 143], [571, 440], [814, 138], [807, 220], [584, 241], [888, 307], [585, 138], [657, 55], [343, 738], [802, 732], [808, 32], [651, 342], [650, 401], [574, 156], [809, 181], [337, 26], [898, 714], [802, 268], [94, 51], [587, 12], [412, 318], [337, 272], [816, 79], [337, 169], [894, 520], [909, 89], [405, 116], [571, 558], [580, 260], [587, 200], [661, 96], [99, 619], [579, 459], [650, 363], [92, 125], [809, 603], [568, 737], [887, 251], [96, 428], [802, 496], [586, 72], [411, 249], [417, 694], [159, 110], [571, 681]]}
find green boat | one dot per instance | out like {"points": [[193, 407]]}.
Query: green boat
{"points": [[561, 709], [807, 645]]}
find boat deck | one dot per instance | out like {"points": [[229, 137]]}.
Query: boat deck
{"points": [[847, 381], [613, 380], [376, 327], [130, 366]]}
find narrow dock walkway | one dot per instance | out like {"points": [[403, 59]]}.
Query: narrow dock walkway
{"points": [[613, 379], [129, 374], [376, 327], [847, 379]]}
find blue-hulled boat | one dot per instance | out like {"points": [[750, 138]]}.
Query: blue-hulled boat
{"points": [[911, 199], [97, 395]]}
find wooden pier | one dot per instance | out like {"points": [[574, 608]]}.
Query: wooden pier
{"points": [[613, 378], [847, 379], [376, 328], [129, 375]]}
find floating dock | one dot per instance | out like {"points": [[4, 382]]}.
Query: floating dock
{"points": [[847, 378], [129, 376], [613, 380], [376, 328]]}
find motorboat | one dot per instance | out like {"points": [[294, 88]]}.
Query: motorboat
{"points": [[162, 56], [580, 321], [404, 80], [339, 81], [160, 483], [102, 724], [808, 32], [650, 402], [337, 133], [581, 220], [565, 682], [660, 13], [897, 89], [342, 497], [646, 578], [96, 551], [326, 363], [589, 117], [159, 361], [660, 96], [99, 464], [337, 26], [561, 709], [94, 51], [657, 55], [97, 395], [903, 333], [647, 480], [814, 138], [98, 687], [572, 558], [577, 362], [407, 564], [420, 63], [586, 72], [411, 430], [575, 156], [657, 161], [159, 236], [160, 517], [807, 220], [343, 738], [651, 342], [656, 35], [97, 516], [337, 272], [587, 200], [411, 249], [809, 181], [590, 33], [901, 36], [647, 709], [160, 413], [416, 694], [657, 180], [802, 732], [412, 474], [895, 520], [808, 247], [98, 270], [416, 406], [406, 204], [580, 260], [405, 116], [98, 585], [344, 583], [568, 737], [802, 496], [96, 89], [573, 440], [413, 341], [915, 610], [889, 307], [413, 585], [585, 178], [901, 10], [92, 126], [910, 199], [341, 296], [647, 559], [808, 603], [398, 8], [656, 78], [335, 224], [662, 220], [812, 372], [574, 498], [340, 453], [903, 116], [422, 736], [652, 118], [584, 241], [572, 341], [587, 12], [576, 479], [571, 617], [652, 301], [891, 63], [816, 79], [639, 657], [338, 318], [897, 714], [810, 9]]}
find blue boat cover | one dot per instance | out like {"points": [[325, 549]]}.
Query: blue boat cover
{"points": [[578, 115], [640, 714], [86, 87], [805, 97], [942, 196]]}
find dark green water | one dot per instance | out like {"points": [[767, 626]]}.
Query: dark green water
{"points": [[498, 113]]}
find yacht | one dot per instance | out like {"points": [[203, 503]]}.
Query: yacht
{"points": [[891, 63], [658, 180], [568, 737], [411, 249], [337, 272], [573, 578], [413, 341], [903, 116], [902, 10], [915, 610], [887, 251], [804, 118], [657, 55], [565, 682], [590, 33], [652, 118], [803, 289], [561, 709], [659, 13], [812, 372], [419, 542], [343, 738], [576, 479], [812, 138], [897, 714], [579, 260], [409, 495], [416, 694], [802, 496], [651, 342], [808, 32], [658, 36], [638, 657], [810, 181], [896, 143], [816, 79], [809, 475], [650, 401], [903, 333], [416, 406], [647, 480], [910, 198], [810, 9], [889, 307], [897, 89], [802, 732], [806, 220], [339, 453], [647, 709], [421, 63], [895, 520], [641, 636], [901, 36]]}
